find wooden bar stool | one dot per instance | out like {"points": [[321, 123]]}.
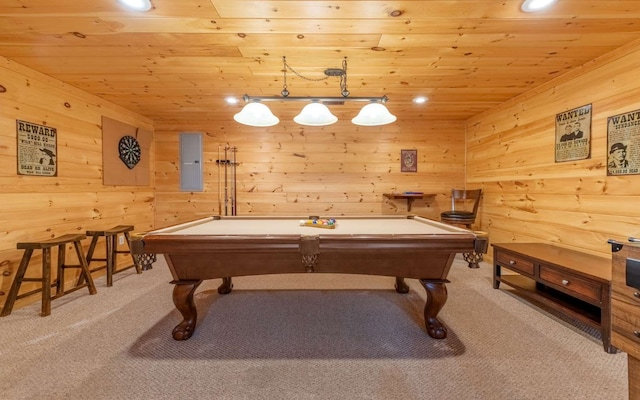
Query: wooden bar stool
{"points": [[46, 246], [111, 239]]}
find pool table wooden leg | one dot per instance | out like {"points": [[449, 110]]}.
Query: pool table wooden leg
{"points": [[183, 299], [226, 286], [436, 297], [401, 286]]}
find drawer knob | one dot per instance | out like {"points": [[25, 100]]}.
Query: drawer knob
{"points": [[512, 262], [565, 282], [637, 333], [636, 295]]}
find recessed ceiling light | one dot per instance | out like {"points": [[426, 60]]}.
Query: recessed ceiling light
{"points": [[231, 100], [536, 5], [420, 100], [138, 5]]}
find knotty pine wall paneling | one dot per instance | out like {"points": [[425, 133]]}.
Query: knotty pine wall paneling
{"points": [[289, 169], [530, 198], [38, 208]]}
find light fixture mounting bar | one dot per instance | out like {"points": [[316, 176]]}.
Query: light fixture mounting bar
{"points": [[247, 98]]}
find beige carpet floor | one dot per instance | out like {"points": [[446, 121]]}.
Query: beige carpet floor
{"points": [[306, 336]]}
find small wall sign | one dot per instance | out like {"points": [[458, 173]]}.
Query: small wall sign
{"points": [[409, 160], [623, 144], [37, 149], [573, 134]]}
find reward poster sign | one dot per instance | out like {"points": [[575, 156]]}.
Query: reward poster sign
{"points": [[37, 149], [623, 143], [573, 134]]}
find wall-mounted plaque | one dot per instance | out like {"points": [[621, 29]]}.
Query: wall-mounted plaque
{"points": [[623, 143], [409, 160], [573, 134], [37, 149]]}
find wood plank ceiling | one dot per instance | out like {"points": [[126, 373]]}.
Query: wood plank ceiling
{"points": [[179, 61]]}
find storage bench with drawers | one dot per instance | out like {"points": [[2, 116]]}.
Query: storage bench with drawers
{"points": [[572, 283]]}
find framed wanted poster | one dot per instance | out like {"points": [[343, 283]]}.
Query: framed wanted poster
{"points": [[573, 134], [623, 143], [37, 149]]}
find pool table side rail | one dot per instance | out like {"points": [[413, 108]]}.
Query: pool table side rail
{"points": [[183, 226], [164, 244]]}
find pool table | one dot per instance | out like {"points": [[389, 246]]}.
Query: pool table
{"points": [[224, 247]]}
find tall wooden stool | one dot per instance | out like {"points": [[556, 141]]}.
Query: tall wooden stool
{"points": [[111, 239], [46, 246]]}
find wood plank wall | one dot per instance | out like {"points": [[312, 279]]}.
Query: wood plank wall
{"points": [[530, 198], [36, 208], [336, 170]]}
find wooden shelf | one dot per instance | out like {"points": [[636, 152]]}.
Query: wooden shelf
{"points": [[410, 197]]}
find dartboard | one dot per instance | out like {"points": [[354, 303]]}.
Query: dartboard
{"points": [[129, 150]]}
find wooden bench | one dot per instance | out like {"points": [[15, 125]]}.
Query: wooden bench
{"points": [[572, 283], [45, 279], [111, 239]]}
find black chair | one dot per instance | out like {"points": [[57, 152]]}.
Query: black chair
{"points": [[464, 207]]}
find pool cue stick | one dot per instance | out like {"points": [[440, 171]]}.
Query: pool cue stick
{"points": [[234, 193], [219, 184], [226, 183], [231, 181]]}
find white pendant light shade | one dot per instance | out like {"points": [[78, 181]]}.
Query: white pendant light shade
{"points": [[374, 114], [256, 114], [315, 114]]}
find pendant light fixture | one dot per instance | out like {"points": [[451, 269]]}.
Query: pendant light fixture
{"points": [[374, 114], [256, 114], [316, 113]]}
